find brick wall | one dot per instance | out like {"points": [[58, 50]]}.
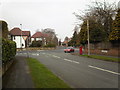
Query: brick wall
{"points": [[110, 52]]}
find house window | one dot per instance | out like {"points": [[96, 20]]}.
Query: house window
{"points": [[38, 39], [14, 37]]}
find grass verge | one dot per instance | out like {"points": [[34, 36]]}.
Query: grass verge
{"points": [[42, 77], [103, 58]]}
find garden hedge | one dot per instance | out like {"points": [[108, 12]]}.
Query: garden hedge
{"points": [[8, 50], [50, 45], [36, 44]]}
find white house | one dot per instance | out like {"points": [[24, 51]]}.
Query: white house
{"points": [[22, 38]]}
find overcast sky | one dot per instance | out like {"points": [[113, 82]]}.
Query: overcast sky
{"points": [[41, 14]]}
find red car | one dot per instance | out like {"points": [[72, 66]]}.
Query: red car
{"points": [[69, 49]]}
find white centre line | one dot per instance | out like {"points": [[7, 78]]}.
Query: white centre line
{"points": [[71, 61], [75, 62], [104, 70], [68, 60]]}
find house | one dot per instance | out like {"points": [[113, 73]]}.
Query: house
{"points": [[39, 36], [22, 38], [65, 42]]}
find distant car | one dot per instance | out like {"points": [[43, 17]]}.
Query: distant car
{"points": [[69, 49]]}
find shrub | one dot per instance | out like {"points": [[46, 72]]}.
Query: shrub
{"points": [[36, 44], [50, 45], [8, 50]]}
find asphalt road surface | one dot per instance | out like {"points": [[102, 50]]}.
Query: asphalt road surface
{"points": [[78, 72]]}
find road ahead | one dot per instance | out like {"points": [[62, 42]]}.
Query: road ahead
{"points": [[78, 72]]}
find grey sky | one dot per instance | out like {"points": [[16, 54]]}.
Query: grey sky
{"points": [[41, 14]]}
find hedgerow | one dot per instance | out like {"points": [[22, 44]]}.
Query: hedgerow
{"points": [[8, 50]]}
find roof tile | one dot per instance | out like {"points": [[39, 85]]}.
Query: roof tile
{"points": [[18, 32]]}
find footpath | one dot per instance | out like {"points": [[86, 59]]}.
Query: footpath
{"points": [[18, 75]]}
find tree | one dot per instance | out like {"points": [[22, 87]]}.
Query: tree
{"points": [[95, 29], [83, 33], [97, 33], [102, 13], [115, 34], [51, 36], [66, 38], [4, 27], [73, 41]]}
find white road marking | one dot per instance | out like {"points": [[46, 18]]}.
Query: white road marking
{"points": [[37, 54], [40, 50], [75, 62], [43, 53], [55, 56], [71, 61], [33, 54], [104, 70], [68, 60], [50, 54]]}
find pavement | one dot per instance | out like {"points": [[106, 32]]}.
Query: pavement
{"points": [[76, 71], [18, 75]]}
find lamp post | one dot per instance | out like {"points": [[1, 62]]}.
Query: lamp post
{"points": [[21, 37], [88, 37]]}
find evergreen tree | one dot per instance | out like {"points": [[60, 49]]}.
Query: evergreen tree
{"points": [[115, 34], [74, 40], [96, 32]]}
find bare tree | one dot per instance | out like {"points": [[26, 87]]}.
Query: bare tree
{"points": [[102, 13], [51, 36]]}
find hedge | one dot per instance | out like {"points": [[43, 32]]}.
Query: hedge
{"points": [[50, 45], [36, 44], [8, 50]]}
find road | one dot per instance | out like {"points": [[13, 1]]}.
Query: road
{"points": [[78, 72]]}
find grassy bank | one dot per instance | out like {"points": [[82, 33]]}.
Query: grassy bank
{"points": [[42, 77], [103, 58]]}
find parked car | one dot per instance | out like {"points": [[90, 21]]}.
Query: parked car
{"points": [[69, 49]]}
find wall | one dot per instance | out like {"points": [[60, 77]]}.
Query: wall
{"points": [[32, 39], [18, 42], [104, 48]]}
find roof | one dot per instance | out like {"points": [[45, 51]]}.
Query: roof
{"points": [[65, 42], [26, 33], [38, 35], [18, 32]]}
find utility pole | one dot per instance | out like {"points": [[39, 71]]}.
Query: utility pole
{"points": [[88, 37]]}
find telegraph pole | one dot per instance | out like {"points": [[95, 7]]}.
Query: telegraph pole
{"points": [[88, 37]]}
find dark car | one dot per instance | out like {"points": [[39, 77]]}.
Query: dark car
{"points": [[69, 49]]}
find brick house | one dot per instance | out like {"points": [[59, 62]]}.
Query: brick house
{"points": [[39, 36]]}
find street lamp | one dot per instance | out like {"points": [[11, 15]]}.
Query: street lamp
{"points": [[21, 36], [88, 37]]}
